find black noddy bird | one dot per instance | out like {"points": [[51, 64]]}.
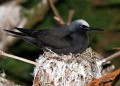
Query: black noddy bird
{"points": [[64, 39]]}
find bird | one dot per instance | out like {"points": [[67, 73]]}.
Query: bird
{"points": [[62, 39]]}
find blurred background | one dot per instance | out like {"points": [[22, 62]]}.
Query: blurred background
{"points": [[37, 14]]}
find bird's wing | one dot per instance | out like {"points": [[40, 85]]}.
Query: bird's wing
{"points": [[44, 37], [25, 31], [25, 37], [60, 31], [57, 37], [54, 41]]}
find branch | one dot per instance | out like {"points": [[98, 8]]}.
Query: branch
{"points": [[18, 58], [70, 16], [56, 13], [36, 13], [116, 48], [113, 56]]}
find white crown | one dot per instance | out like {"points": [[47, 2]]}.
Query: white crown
{"points": [[83, 22]]}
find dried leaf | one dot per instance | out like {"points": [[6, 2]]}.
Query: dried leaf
{"points": [[106, 80]]}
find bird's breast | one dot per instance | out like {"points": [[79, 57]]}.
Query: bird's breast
{"points": [[80, 39]]}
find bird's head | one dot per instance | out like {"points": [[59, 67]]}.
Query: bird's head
{"points": [[82, 25]]}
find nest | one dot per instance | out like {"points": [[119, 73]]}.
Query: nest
{"points": [[68, 70]]}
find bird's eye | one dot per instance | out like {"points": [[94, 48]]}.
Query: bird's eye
{"points": [[83, 26]]}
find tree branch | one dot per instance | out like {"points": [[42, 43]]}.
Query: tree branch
{"points": [[116, 48], [70, 16], [113, 56], [16, 57], [56, 13]]}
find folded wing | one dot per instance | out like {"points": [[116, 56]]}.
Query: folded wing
{"points": [[55, 38]]}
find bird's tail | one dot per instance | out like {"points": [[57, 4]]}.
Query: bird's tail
{"points": [[25, 31], [25, 37]]}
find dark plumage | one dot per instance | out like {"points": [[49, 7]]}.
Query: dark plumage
{"points": [[63, 39]]}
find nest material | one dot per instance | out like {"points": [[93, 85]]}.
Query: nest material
{"points": [[5, 82], [68, 70]]}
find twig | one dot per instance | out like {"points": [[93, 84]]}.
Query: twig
{"points": [[70, 15], [57, 19], [16, 57], [56, 13], [117, 48], [113, 56]]}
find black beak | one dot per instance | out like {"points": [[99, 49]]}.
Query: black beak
{"points": [[92, 28]]}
